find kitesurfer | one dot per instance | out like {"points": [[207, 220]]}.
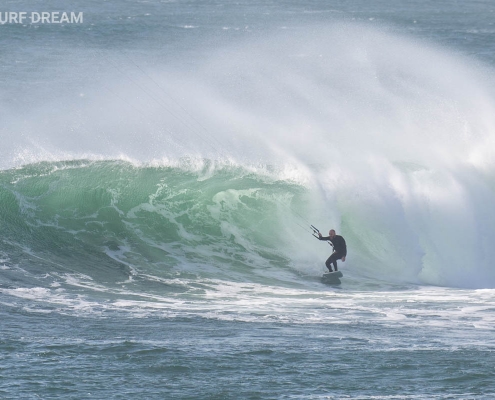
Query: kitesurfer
{"points": [[339, 249]]}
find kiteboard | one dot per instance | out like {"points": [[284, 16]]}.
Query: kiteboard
{"points": [[332, 278]]}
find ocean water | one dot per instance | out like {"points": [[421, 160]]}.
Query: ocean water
{"points": [[162, 163]]}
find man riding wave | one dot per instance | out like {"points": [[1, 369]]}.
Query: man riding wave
{"points": [[339, 249]]}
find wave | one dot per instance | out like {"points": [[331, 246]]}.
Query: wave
{"points": [[385, 139], [115, 222]]}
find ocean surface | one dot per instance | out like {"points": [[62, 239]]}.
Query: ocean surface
{"points": [[161, 165]]}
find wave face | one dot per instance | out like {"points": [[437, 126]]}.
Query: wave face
{"points": [[117, 222], [114, 221]]}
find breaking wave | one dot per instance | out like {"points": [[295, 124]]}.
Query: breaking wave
{"points": [[387, 140]]}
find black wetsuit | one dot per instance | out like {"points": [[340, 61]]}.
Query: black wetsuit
{"points": [[339, 251]]}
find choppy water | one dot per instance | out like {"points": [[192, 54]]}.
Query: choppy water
{"points": [[161, 164]]}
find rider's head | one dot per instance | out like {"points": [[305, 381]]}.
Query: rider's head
{"points": [[331, 233]]}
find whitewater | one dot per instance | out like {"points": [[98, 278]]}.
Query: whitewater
{"points": [[161, 166]]}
